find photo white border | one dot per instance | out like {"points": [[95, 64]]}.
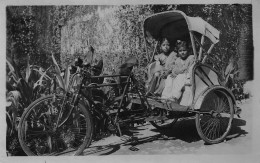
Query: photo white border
{"points": [[252, 157]]}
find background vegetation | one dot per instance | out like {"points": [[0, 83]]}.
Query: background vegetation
{"points": [[35, 33]]}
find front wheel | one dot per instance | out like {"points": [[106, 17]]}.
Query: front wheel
{"points": [[214, 126], [38, 132]]}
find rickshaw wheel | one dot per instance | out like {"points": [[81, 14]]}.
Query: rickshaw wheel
{"points": [[164, 124], [214, 126]]}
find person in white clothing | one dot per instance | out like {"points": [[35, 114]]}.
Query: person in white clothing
{"points": [[180, 75]]}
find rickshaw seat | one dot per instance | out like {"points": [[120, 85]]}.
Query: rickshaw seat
{"points": [[127, 66]]}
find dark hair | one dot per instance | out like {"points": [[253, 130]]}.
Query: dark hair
{"points": [[161, 40], [180, 44]]}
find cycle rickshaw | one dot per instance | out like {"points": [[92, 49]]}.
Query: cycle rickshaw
{"points": [[58, 123]]}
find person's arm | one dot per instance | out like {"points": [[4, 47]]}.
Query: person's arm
{"points": [[176, 71], [182, 69], [190, 61], [170, 62], [156, 57], [177, 68]]}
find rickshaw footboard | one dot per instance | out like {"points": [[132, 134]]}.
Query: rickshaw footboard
{"points": [[168, 105]]}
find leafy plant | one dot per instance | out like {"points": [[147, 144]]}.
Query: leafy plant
{"points": [[62, 77], [21, 91], [230, 72]]}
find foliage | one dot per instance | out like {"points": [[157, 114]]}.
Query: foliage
{"points": [[21, 91], [23, 37], [61, 78], [131, 35], [230, 20]]}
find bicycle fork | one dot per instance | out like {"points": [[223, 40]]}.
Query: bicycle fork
{"points": [[74, 104]]}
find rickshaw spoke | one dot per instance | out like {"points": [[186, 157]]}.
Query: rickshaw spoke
{"points": [[214, 129], [221, 107], [208, 126], [215, 105], [219, 129], [215, 121], [205, 123], [210, 132]]}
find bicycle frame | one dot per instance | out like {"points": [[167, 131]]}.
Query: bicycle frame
{"points": [[87, 86]]}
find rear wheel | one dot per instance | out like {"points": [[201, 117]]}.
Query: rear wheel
{"points": [[214, 126], [38, 134]]}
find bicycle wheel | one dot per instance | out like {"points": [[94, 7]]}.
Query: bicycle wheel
{"points": [[38, 134], [214, 127]]}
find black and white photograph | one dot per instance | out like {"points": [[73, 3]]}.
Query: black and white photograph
{"points": [[131, 82]]}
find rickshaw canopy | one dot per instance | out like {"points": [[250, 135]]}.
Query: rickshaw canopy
{"points": [[176, 24]]}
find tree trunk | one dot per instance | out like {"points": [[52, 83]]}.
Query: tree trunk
{"points": [[245, 52]]}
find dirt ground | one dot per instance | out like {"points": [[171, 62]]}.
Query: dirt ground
{"points": [[182, 138], [179, 144]]}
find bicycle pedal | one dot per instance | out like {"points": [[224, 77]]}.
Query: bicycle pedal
{"points": [[134, 148], [125, 138]]}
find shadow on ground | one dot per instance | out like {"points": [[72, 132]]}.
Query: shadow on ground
{"points": [[109, 149], [236, 130], [184, 130]]}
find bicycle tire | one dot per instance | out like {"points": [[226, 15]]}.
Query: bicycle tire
{"points": [[37, 135]]}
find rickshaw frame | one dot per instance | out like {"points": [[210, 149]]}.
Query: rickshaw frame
{"points": [[194, 24]]}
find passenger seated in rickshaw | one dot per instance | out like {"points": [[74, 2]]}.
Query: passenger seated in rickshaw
{"points": [[180, 75], [159, 70]]}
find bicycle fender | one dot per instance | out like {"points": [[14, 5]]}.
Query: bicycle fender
{"points": [[197, 104]]}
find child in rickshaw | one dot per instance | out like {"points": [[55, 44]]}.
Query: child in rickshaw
{"points": [[180, 75], [161, 68]]}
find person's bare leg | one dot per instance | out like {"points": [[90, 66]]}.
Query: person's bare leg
{"points": [[153, 83]]}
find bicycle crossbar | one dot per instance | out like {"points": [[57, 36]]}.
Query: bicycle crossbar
{"points": [[94, 85], [106, 76]]}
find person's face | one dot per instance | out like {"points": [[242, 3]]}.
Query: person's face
{"points": [[165, 47], [183, 52]]}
